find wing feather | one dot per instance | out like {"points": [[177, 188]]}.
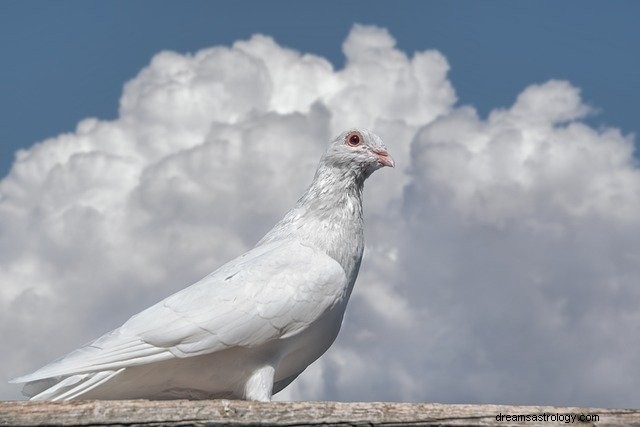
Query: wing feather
{"points": [[274, 290]]}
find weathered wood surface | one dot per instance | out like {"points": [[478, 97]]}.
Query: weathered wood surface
{"points": [[233, 412]]}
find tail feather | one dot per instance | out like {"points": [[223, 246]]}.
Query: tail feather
{"points": [[68, 388]]}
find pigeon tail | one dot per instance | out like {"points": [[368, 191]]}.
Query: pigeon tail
{"points": [[67, 388]]}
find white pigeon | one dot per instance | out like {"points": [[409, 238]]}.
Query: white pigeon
{"points": [[252, 326]]}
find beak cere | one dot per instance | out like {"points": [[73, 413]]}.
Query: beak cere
{"points": [[384, 158]]}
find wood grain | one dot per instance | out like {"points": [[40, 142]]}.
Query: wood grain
{"points": [[235, 412]]}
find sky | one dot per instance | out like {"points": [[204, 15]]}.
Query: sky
{"points": [[146, 143], [65, 61]]}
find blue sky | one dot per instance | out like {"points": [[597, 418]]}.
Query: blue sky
{"points": [[64, 61]]}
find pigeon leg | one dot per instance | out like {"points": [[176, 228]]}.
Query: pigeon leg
{"points": [[259, 386]]}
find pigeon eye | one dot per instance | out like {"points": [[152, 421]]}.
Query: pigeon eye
{"points": [[353, 139]]}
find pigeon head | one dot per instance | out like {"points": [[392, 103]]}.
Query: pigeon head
{"points": [[358, 151]]}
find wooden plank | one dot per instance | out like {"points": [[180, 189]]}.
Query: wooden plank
{"points": [[235, 412]]}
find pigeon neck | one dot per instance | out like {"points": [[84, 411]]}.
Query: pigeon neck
{"points": [[328, 217], [332, 190]]}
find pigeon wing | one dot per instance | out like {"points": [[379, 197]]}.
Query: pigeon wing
{"points": [[273, 291]]}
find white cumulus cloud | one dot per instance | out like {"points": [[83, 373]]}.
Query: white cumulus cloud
{"points": [[503, 252]]}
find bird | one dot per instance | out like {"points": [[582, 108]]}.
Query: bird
{"points": [[252, 326]]}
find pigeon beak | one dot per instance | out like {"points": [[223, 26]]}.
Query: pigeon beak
{"points": [[384, 158]]}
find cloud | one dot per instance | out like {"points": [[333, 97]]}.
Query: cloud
{"points": [[502, 260]]}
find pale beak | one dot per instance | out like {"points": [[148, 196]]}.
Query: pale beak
{"points": [[384, 158]]}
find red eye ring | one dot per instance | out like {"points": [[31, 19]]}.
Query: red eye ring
{"points": [[353, 139]]}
